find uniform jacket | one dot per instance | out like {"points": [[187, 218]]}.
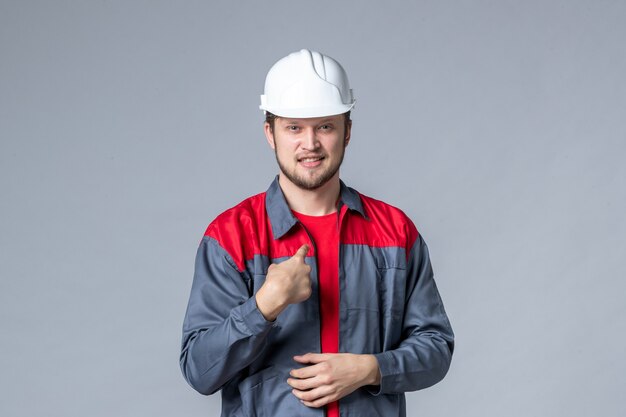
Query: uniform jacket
{"points": [[389, 306]]}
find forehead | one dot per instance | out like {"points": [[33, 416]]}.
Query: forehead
{"points": [[310, 120]]}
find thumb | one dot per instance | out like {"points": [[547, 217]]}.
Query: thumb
{"points": [[301, 253]]}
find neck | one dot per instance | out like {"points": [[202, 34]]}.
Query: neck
{"points": [[316, 202]]}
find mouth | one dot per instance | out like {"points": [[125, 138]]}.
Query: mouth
{"points": [[311, 162]]}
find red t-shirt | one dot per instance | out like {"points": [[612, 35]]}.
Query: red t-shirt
{"points": [[325, 234]]}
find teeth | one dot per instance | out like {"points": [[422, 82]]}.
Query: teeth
{"points": [[310, 159]]}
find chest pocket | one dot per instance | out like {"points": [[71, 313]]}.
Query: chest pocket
{"points": [[373, 279], [373, 292]]}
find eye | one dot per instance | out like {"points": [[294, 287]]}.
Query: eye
{"points": [[293, 128], [326, 127]]}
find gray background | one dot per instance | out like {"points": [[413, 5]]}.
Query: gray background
{"points": [[127, 126]]}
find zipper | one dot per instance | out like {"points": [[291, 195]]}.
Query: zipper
{"points": [[317, 271], [340, 215]]}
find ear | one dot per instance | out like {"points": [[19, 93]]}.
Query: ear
{"points": [[269, 135], [348, 132]]}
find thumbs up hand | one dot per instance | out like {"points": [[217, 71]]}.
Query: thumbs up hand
{"points": [[288, 282]]}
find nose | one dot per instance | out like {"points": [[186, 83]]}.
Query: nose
{"points": [[309, 139]]}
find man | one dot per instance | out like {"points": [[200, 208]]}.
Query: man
{"points": [[312, 298]]}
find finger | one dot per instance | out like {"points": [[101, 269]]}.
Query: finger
{"points": [[318, 396], [318, 403], [301, 253], [306, 372], [311, 358], [305, 384]]}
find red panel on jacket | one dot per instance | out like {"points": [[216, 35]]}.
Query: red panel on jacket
{"points": [[245, 230]]}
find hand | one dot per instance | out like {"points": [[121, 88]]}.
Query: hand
{"points": [[332, 376], [288, 282]]}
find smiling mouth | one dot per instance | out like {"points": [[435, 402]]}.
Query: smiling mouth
{"points": [[311, 162], [313, 159]]}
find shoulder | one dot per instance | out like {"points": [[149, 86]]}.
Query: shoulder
{"points": [[233, 228], [379, 209], [389, 222], [238, 215]]}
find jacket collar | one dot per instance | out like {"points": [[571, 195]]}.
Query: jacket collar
{"points": [[281, 217]]}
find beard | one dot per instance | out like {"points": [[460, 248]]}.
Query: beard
{"points": [[307, 182]]}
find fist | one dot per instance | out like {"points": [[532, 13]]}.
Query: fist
{"points": [[288, 282]]}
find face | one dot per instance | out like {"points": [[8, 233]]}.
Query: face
{"points": [[309, 151]]}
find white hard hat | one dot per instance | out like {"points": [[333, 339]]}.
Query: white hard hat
{"points": [[307, 84]]}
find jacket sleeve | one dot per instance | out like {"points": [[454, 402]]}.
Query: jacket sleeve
{"points": [[423, 356], [223, 330]]}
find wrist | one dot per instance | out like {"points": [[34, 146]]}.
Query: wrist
{"points": [[268, 303], [372, 370]]}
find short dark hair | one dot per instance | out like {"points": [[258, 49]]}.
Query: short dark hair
{"points": [[271, 117]]}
